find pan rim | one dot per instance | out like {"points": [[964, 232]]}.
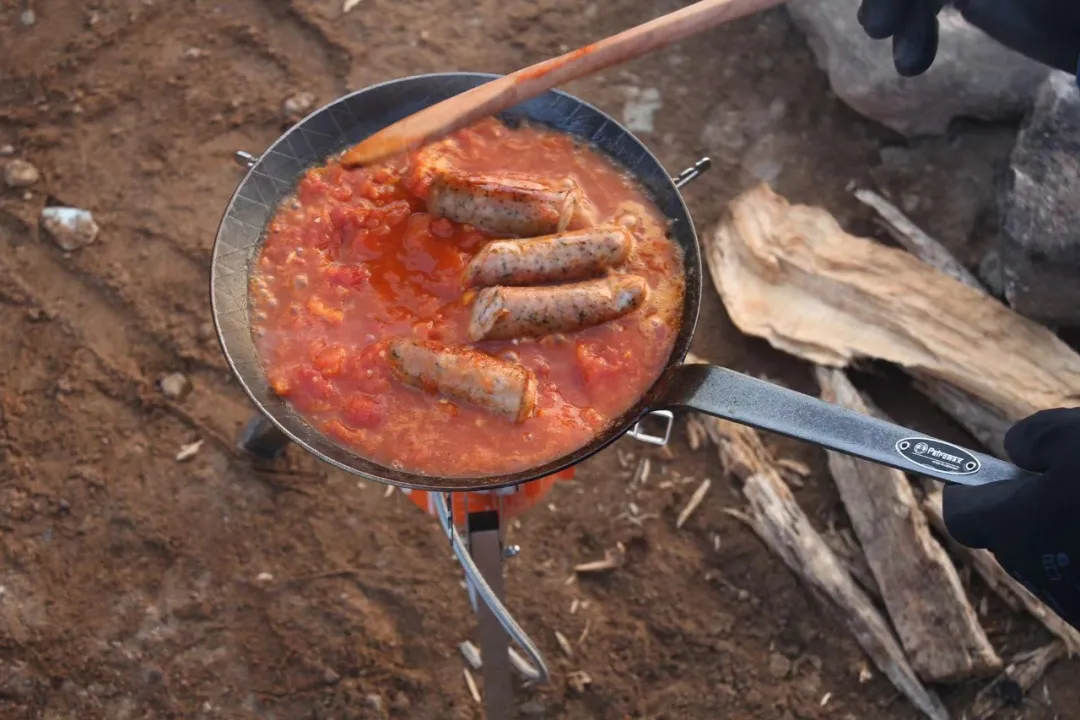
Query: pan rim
{"points": [[645, 404]]}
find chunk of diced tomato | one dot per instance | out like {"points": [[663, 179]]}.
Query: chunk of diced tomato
{"points": [[331, 360], [347, 275], [363, 411], [320, 310], [337, 429], [595, 363]]}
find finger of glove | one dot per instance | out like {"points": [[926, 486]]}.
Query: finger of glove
{"points": [[1048, 439], [883, 18], [915, 44], [975, 515], [1045, 30]]}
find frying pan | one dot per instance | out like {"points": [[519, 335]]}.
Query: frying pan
{"points": [[705, 388]]}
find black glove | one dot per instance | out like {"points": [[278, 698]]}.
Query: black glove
{"points": [[1032, 527], [1045, 30]]}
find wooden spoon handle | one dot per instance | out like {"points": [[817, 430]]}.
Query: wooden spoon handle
{"points": [[490, 98]]}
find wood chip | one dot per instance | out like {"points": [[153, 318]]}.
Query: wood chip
{"points": [[579, 680], [564, 644], [389, 491], [695, 428], [471, 654], [825, 699], [695, 501], [189, 451], [584, 634], [574, 606], [610, 562], [793, 471], [641, 475], [473, 689], [793, 466]]}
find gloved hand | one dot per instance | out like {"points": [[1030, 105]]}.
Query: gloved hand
{"points": [[1045, 30], [1031, 527]]}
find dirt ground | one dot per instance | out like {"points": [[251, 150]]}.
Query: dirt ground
{"points": [[135, 586]]}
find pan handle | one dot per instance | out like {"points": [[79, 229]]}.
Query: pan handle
{"points": [[748, 401]]}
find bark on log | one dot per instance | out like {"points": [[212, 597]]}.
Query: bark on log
{"points": [[921, 589], [791, 275], [783, 526], [1012, 592], [1016, 680]]}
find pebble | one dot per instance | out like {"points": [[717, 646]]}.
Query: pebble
{"points": [[205, 331], [297, 106], [7, 150], [779, 666], [330, 677], [70, 228], [20, 174], [175, 386], [374, 701], [28, 17]]}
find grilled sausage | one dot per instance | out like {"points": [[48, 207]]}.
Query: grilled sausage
{"points": [[465, 375], [502, 313], [567, 256], [502, 205]]}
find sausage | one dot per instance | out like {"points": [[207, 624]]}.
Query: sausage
{"points": [[502, 205], [502, 313], [567, 256], [465, 375]]}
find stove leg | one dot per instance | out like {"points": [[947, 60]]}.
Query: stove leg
{"points": [[485, 547], [261, 438]]}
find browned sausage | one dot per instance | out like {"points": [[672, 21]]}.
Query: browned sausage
{"points": [[502, 205], [502, 313], [465, 375], [567, 256]]}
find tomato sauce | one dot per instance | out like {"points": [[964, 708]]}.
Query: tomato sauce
{"points": [[353, 259]]}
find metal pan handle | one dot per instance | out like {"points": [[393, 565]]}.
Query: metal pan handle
{"points": [[748, 401]]}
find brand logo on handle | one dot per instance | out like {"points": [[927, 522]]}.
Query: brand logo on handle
{"points": [[937, 455]]}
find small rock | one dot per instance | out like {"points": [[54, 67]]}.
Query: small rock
{"points": [[374, 701], [1040, 234], [20, 174], [63, 385], [194, 53], [34, 314], [330, 677], [175, 386], [296, 107], [205, 331], [28, 17], [264, 577], [7, 150], [779, 666], [401, 703], [64, 505], [70, 228], [533, 708], [972, 76]]}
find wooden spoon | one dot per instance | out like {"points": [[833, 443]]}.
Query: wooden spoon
{"points": [[505, 92]]}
